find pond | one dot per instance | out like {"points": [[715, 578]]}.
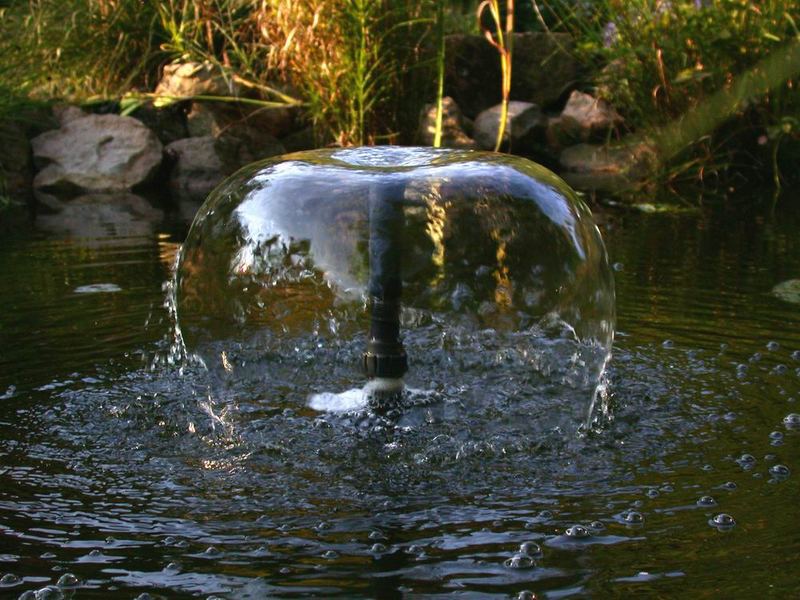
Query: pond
{"points": [[124, 473]]}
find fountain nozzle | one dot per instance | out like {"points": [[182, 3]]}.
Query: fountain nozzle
{"points": [[385, 357]]}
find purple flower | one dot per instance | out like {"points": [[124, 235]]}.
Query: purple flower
{"points": [[610, 34]]}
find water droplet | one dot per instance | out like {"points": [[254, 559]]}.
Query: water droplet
{"points": [[50, 592], [68, 580], [577, 532], [773, 346], [706, 501], [746, 461], [330, 554], [633, 517], [792, 421], [530, 549], [172, 567], [377, 548], [779, 471], [722, 521], [519, 561], [9, 579]]}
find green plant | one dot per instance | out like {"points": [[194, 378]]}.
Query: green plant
{"points": [[348, 58], [503, 42], [693, 64]]}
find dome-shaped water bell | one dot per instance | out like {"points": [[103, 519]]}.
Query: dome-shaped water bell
{"points": [[295, 268]]}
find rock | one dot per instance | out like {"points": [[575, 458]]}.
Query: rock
{"points": [[95, 218], [203, 120], [197, 169], [167, 122], [64, 113], [16, 167], [239, 145], [453, 135], [608, 168], [543, 70], [96, 153], [524, 121], [584, 118], [187, 80]]}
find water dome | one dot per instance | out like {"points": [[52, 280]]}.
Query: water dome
{"points": [[491, 264]]}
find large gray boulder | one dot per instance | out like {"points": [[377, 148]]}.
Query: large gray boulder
{"points": [[585, 118], [96, 153], [197, 168], [186, 80], [453, 134], [543, 70], [524, 122]]}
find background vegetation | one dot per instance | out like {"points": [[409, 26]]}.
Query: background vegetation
{"points": [[364, 68]]}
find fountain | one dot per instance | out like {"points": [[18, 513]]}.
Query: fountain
{"points": [[311, 272]]}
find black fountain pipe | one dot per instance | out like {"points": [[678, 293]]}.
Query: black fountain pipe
{"points": [[385, 357]]}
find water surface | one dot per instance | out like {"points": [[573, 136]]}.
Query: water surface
{"points": [[137, 475]]}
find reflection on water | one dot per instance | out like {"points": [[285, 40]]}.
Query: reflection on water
{"points": [[162, 481]]}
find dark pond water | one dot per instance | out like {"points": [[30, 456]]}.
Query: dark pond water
{"points": [[126, 472]]}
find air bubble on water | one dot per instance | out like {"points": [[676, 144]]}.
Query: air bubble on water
{"points": [[796, 355], [172, 567], [779, 471], [792, 421], [632, 517], [772, 346], [415, 549], [667, 488], [330, 554], [68, 580], [578, 532], [211, 552], [48, 555], [729, 485], [722, 521], [378, 548], [49, 592], [9, 579], [597, 525], [706, 501], [668, 344], [520, 561], [780, 369], [111, 540], [377, 535], [531, 549], [618, 266], [652, 493], [746, 461], [526, 595], [144, 596], [756, 357]]}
